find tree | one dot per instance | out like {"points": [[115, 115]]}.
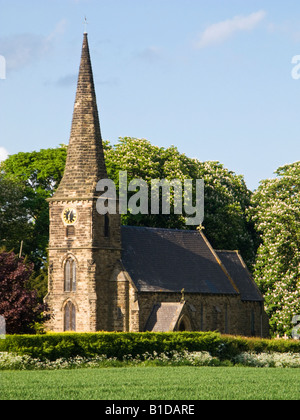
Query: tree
{"points": [[14, 216], [227, 199], [226, 194], [38, 175], [275, 211], [18, 305]]}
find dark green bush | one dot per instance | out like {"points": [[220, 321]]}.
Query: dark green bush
{"points": [[66, 345]]}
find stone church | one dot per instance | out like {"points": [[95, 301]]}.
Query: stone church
{"points": [[108, 277]]}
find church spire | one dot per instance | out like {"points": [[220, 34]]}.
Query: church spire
{"points": [[85, 164]]}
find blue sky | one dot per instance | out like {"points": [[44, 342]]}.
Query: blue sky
{"points": [[211, 77]]}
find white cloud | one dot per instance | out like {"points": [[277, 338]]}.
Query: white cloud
{"points": [[219, 32], [59, 30], [3, 154], [149, 54], [23, 49], [68, 80]]}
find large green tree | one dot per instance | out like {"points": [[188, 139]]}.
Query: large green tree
{"points": [[226, 194], [31, 178], [276, 212], [14, 215]]}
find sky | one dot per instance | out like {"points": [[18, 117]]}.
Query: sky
{"points": [[217, 79]]}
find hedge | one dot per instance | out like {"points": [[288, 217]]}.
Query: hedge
{"points": [[54, 346]]}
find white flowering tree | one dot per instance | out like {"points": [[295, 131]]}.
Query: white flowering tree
{"points": [[276, 213], [226, 194]]}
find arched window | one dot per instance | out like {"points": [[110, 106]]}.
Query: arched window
{"points": [[70, 275], [70, 317]]}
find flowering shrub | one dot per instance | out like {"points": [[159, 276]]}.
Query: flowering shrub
{"points": [[281, 360], [9, 361], [174, 358]]}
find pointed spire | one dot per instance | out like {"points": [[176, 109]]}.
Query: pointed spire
{"points": [[85, 164]]}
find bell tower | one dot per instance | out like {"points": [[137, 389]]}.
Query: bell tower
{"points": [[84, 246]]}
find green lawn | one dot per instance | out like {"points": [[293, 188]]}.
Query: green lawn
{"points": [[152, 383]]}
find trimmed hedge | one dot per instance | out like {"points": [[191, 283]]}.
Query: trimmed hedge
{"points": [[66, 345]]}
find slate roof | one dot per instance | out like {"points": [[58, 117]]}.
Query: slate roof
{"points": [[164, 317], [167, 260], [238, 271]]}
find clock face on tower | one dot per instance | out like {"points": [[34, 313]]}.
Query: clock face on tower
{"points": [[69, 216]]}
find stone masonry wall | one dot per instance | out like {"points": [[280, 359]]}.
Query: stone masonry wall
{"points": [[227, 314], [95, 257], [224, 313]]}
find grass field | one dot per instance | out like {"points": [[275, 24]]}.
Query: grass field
{"points": [[152, 383]]}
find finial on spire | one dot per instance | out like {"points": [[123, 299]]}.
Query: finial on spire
{"points": [[85, 25]]}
